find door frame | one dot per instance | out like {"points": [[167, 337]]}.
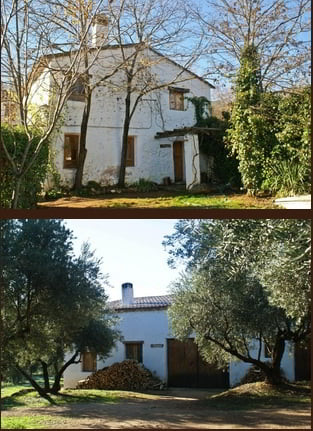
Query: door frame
{"points": [[180, 165]]}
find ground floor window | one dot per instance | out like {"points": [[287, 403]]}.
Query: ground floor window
{"points": [[71, 144], [130, 157], [89, 361], [133, 350]]}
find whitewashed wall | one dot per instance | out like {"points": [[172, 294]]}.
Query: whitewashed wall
{"points": [[151, 327], [238, 369], [104, 136]]}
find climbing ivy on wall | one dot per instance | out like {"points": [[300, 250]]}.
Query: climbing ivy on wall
{"points": [[225, 166]]}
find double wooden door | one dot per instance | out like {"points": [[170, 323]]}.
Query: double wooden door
{"points": [[186, 368]]}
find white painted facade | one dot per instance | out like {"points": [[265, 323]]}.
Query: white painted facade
{"points": [[153, 157], [152, 327]]}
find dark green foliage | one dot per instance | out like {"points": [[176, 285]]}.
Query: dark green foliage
{"points": [[270, 133], [225, 166], [288, 167], [247, 135], [245, 280], [15, 140], [53, 302]]}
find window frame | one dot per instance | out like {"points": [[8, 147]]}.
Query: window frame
{"points": [[93, 368], [78, 96], [134, 343], [130, 158], [71, 164], [176, 98]]}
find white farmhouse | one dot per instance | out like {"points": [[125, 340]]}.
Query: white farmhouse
{"points": [[162, 146], [147, 337]]}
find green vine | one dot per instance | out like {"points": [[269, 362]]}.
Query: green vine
{"points": [[203, 109]]}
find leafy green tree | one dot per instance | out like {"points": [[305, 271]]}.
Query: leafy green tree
{"points": [[15, 139], [53, 301], [288, 169], [247, 285], [248, 136]]}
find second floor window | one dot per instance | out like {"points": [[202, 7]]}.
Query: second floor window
{"points": [[176, 98], [77, 91]]}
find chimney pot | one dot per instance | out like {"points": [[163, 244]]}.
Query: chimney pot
{"points": [[127, 293]]}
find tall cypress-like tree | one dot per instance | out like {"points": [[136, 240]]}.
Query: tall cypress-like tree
{"points": [[247, 135]]}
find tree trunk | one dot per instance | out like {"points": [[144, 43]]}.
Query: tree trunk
{"points": [[57, 378], [42, 392], [16, 192], [273, 375], [45, 375], [121, 179], [82, 143]]}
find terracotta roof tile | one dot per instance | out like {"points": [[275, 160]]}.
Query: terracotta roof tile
{"points": [[162, 301]]}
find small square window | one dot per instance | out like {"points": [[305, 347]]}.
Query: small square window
{"points": [[176, 100], [71, 144], [77, 91], [89, 361], [130, 156], [133, 350]]}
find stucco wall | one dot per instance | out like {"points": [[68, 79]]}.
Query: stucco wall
{"points": [[237, 369], [151, 327], [153, 157]]}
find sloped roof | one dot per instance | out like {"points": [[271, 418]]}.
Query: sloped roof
{"points": [[144, 302], [129, 45]]}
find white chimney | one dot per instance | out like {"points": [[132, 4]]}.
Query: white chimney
{"points": [[127, 293], [99, 30]]}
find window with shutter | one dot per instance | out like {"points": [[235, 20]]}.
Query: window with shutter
{"points": [[130, 157], [176, 97], [71, 143], [89, 361], [133, 350]]}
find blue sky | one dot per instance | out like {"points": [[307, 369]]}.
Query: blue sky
{"points": [[131, 251]]}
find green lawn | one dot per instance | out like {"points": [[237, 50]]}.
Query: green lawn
{"points": [[26, 422], [239, 201]]}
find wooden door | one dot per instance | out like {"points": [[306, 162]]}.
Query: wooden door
{"points": [[186, 368], [303, 362], [178, 155]]}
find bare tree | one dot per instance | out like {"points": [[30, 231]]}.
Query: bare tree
{"points": [[38, 63], [146, 32], [279, 29]]}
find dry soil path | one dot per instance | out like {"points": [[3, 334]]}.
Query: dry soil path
{"points": [[178, 410]]}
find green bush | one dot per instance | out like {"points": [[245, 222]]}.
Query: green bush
{"points": [[15, 140], [144, 185]]}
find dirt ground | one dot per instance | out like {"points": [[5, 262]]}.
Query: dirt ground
{"points": [[178, 409]]}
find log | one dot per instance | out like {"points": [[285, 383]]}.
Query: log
{"points": [[128, 375]]}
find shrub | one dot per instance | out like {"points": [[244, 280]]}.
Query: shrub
{"points": [[144, 185], [15, 140]]}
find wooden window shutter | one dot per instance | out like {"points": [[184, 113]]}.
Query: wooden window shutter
{"points": [[89, 361], [71, 143], [130, 157], [172, 100], [134, 351]]}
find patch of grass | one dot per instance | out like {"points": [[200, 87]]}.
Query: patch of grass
{"points": [[262, 395], [33, 399], [26, 422], [158, 201]]}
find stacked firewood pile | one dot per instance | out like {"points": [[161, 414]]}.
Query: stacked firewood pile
{"points": [[127, 376]]}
